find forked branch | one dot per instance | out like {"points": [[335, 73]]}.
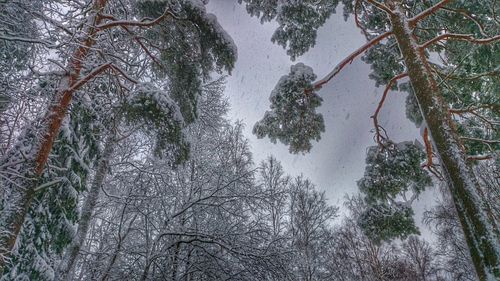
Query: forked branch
{"points": [[378, 136]]}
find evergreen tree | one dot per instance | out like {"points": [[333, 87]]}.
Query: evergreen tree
{"points": [[170, 104], [466, 33]]}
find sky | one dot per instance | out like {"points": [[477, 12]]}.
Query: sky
{"points": [[337, 161]]}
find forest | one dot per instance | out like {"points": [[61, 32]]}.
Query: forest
{"points": [[120, 158]]}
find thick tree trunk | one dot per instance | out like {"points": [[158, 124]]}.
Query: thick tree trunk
{"points": [[480, 237], [69, 259], [26, 160]]}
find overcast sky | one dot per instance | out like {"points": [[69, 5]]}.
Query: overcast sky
{"points": [[337, 161]]}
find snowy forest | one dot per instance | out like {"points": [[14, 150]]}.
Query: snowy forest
{"points": [[121, 157]]}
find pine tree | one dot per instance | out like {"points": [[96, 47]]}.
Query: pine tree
{"points": [[170, 105], [417, 28]]}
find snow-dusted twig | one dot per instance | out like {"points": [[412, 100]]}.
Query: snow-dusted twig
{"points": [[47, 184]]}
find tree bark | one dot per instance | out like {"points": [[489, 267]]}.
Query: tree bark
{"points": [[70, 257], [462, 183], [25, 162]]}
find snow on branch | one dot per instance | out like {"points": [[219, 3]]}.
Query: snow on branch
{"points": [[27, 40], [98, 70], [380, 6], [141, 23]]}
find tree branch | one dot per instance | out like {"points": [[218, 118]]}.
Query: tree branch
{"points": [[380, 6], [480, 140], [27, 40], [378, 136], [142, 23], [493, 106], [462, 37], [96, 71], [413, 21], [479, 157], [123, 73], [348, 60], [356, 19]]}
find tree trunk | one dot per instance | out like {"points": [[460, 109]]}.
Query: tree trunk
{"points": [[482, 242], [25, 162], [69, 259]]}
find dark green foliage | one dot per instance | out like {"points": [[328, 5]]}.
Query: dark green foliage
{"points": [[298, 21], [391, 172], [293, 119], [160, 117], [412, 108], [384, 61], [383, 222], [298, 24], [266, 10], [192, 46], [51, 220]]}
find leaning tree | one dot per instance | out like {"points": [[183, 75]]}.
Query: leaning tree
{"points": [[455, 100]]}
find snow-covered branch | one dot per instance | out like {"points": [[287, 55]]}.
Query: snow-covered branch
{"points": [[141, 23]]}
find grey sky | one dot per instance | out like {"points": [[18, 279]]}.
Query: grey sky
{"points": [[337, 161]]}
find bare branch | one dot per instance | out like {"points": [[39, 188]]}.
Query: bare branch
{"points": [[349, 59], [378, 136]]}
